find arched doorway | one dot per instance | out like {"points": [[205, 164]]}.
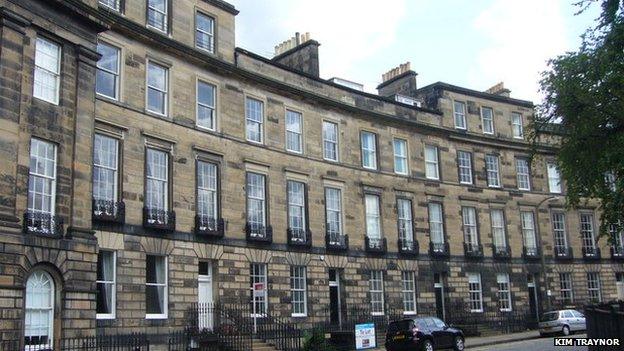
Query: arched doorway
{"points": [[39, 316]]}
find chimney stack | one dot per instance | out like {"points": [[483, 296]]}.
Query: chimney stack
{"points": [[299, 53], [400, 80], [499, 89]]}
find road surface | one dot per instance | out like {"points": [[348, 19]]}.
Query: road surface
{"points": [[541, 344]]}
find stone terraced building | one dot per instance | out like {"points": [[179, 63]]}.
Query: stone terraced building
{"points": [[148, 164]]}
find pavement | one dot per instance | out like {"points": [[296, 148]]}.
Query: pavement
{"points": [[478, 341], [540, 344]]}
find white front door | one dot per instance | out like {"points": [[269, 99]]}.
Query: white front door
{"points": [[205, 299]]}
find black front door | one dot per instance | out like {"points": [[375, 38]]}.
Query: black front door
{"points": [[439, 296], [533, 297], [334, 297]]}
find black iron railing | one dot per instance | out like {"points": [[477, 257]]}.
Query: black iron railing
{"points": [[408, 247], [227, 325], [159, 219], [279, 332], [530, 253], [334, 241], [501, 252], [605, 321], [591, 253], [617, 252], [439, 250], [43, 224], [134, 342], [473, 250], [563, 253], [375, 245], [299, 237], [109, 211], [209, 226], [259, 233]]}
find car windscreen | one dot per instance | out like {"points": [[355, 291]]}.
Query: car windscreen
{"points": [[404, 325], [550, 316]]}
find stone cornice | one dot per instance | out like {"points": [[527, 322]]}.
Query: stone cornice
{"points": [[13, 20]]}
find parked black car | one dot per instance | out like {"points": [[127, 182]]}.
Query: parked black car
{"points": [[423, 333]]}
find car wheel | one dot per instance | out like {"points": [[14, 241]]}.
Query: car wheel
{"points": [[427, 345], [459, 343], [565, 330]]}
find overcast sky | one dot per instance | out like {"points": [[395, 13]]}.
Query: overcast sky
{"points": [[471, 43]]}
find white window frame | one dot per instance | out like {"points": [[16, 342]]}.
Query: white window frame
{"points": [[258, 274], [566, 287], [42, 311], [499, 227], [330, 211], [529, 235], [164, 315], [113, 284], [523, 174], [408, 292], [293, 204], [504, 292], [490, 121], [294, 133], [114, 168], [432, 162], [209, 34], [53, 72], [209, 187], [107, 3], [517, 128], [164, 91], [588, 237], [492, 168], [116, 73], [250, 119], [327, 141], [560, 234], [164, 13], [373, 216], [165, 180], [46, 176], [594, 292], [210, 106], [298, 286], [261, 199], [436, 223], [554, 178], [369, 155], [400, 156], [470, 226], [376, 290], [475, 293], [459, 116], [464, 165], [405, 222]]}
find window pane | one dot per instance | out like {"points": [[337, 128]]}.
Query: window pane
{"points": [[293, 131], [431, 162], [487, 116], [254, 115], [330, 141], [204, 32], [373, 227]]}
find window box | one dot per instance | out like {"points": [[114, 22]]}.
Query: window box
{"points": [[591, 253], [408, 247], [375, 245], [617, 252], [43, 224], [159, 219], [109, 211], [439, 250], [336, 242], [531, 253], [259, 233], [501, 252], [209, 226], [563, 253], [299, 237], [473, 250]]}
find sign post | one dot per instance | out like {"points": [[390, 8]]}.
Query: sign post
{"points": [[258, 290], [365, 336]]}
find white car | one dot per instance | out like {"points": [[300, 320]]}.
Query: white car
{"points": [[561, 321]]}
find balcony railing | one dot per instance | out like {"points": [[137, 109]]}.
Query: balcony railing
{"points": [[42, 223], [159, 219], [334, 241], [209, 226], [375, 245], [617, 252], [591, 253], [473, 250], [299, 237], [408, 247], [109, 211], [530, 253], [563, 253], [259, 233], [501, 252], [439, 250]]}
